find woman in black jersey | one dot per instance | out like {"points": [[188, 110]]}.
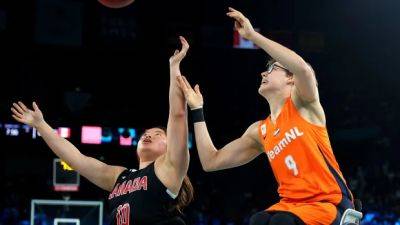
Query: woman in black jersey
{"points": [[159, 189]]}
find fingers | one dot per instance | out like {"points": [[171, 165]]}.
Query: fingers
{"points": [[197, 89], [185, 85], [179, 82], [183, 41], [185, 44], [23, 106], [180, 54], [18, 119], [232, 9], [16, 113], [236, 15], [18, 108], [182, 84], [186, 82], [35, 107]]}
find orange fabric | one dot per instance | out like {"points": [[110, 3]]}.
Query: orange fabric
{"points": [[316, 213], [298, 152]]}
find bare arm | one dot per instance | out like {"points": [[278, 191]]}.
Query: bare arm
{"points": [[304, 77], [177, 128], [236, 153], [99, 173], [172, 168]]}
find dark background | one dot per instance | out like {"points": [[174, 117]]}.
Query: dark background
{"points": [[87, 64]]}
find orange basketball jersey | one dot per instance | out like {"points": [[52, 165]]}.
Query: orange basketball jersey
{"points": [[302, 161]]}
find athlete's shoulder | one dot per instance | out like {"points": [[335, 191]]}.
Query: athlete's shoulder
{"points": [[311, 111], [253, 132], [125, 173], [254, 128]]}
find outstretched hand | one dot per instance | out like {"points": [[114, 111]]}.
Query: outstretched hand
{"points": [[23, 114], [178, 56], [193, 97], [242, 24]]}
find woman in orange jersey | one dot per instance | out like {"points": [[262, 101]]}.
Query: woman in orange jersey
{"points": [[312, 189]]}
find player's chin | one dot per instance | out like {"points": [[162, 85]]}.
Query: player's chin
{"points": [[141, 147], [262, 89]]}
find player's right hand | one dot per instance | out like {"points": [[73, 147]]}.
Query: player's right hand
{"points": [[23, 114], [242, 24], [193, 97]]}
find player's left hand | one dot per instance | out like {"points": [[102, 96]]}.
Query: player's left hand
{"points": [[179, 55], [193, 97]]}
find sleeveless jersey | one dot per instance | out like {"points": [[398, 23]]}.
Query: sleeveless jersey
{"points": [[139, 198], [302, 159]]}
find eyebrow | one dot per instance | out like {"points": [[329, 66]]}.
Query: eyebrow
{"points": [[156, 132]]}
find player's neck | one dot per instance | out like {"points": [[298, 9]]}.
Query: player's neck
{"points": [[276, 101], [144, 164]]}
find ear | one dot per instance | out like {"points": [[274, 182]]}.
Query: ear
{"points": [[290, 79]]}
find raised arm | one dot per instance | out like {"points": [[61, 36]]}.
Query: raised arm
{"points": [[172, 168], [304, 77], [177, 129], [99, 173], [236, 153]]}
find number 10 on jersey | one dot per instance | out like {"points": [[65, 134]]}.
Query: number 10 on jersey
{"points": [[123, 214]]}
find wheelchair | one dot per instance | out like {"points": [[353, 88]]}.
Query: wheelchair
{"points": [[352, 216]]}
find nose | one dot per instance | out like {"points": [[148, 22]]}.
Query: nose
{"points": [[264, 74]]}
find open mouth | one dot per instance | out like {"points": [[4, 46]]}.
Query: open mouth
{"points": [[146, 141]]}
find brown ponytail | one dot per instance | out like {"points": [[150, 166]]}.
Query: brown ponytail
{"points": [[185, 194]]}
